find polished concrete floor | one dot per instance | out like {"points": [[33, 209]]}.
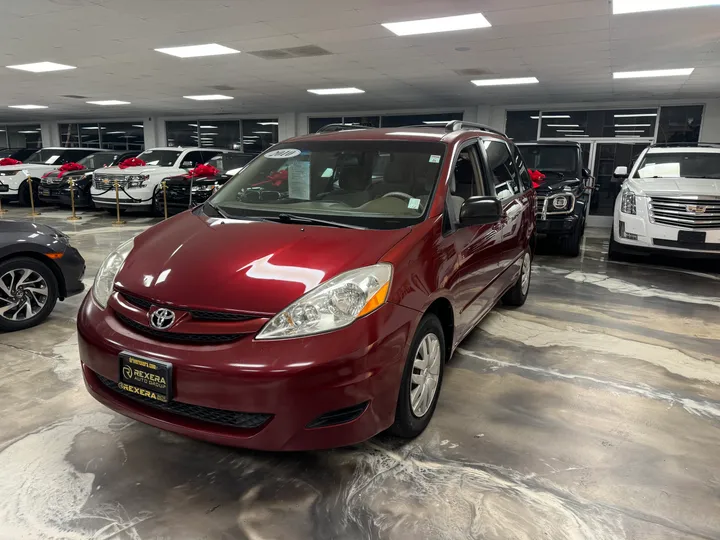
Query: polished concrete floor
{"points": [[593, 412]]}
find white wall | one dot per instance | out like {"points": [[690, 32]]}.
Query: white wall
{"points": [[710, 129]]}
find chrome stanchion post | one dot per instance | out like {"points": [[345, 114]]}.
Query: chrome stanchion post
{"points": [[73, 217], [118, 222], [32, 213], [2, 212], [164, 188]]}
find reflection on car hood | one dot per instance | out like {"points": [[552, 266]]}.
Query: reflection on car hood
{"points": [[260, 267], [145, 169], [675, 187], [27, 166], [552, 184], [9, 226]]}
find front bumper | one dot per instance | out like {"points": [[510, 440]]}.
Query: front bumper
{"points": [[72, 266], [296, 381], [656, 238], [557, 225], [48, 193], [82, 198]]}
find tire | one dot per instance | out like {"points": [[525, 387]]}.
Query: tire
{"points": [[517, 295], [570, 245], [11, 272], [411, 422], [614, 253], [24, 194]]}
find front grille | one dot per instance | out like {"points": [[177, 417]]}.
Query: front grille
{"points": [[686, 245], [682, 212], [108, 181], [340, 416], [204, 414], [198, 315], [50, 180], [177, 337]]}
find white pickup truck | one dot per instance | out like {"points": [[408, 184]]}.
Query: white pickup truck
{"points": [[137, 185], [13, 178], [669, 202]]}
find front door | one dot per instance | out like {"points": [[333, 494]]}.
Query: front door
{"points": [[608, 156]]}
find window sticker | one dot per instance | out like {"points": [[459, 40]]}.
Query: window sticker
{"points": [[52, 160], [299, 180], [414, 204], [434, 159], [284, 153], [327, 173]]}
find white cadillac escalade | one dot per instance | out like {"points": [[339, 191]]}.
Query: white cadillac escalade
{"points": [[669, 202], [137, 185]]}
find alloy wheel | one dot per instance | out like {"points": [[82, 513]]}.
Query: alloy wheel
{"points": [[23, 294], [525, 275], [425, 375]]}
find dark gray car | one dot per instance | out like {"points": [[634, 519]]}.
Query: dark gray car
{"points": [[38, 267]]}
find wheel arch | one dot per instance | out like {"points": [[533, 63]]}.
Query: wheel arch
{"points": [[52, 265], [443, 310]]}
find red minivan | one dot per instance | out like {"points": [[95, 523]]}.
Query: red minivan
{"points": [[314, 300]]}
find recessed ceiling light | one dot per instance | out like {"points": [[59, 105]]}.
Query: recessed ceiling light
{"points": [[653, 73], [108, 102], [268, 123], [571, 131], [636, 115], [41, 67], [563, 125], [632, 125], [28, 106], [333, 91], [194, 51], [503, 82], [440, 24], [635, 6], [209, 97]]}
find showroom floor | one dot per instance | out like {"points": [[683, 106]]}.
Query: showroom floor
{"points": [[593, 412]]}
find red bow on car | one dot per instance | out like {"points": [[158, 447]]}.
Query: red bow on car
{"points": [[67, 167], [9, 161], [132, 162], [203, 170], [537, 177]]}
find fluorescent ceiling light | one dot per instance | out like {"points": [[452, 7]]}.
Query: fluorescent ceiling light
{"points": [[635, 6], [629, 131], [194, 51], [336, 91], [653, 73], [250, 137], [503, 82], [439, 122], [28, 131], [574, 135], [209, 97], [28, 106], [263, 132], [632, 125], [441, 24], [115, 133], [563, 125], [108, 102], [571, 131], [555, 116], [208, 134], [204, 127], [42, 67], [268, 123], [138, 125], [93, 127], [648, 115]]}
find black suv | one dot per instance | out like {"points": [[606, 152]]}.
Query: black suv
{"points": [[562, 196]]}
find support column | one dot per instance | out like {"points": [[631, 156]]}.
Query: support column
{"points": [[287, 126], [50, 133]]}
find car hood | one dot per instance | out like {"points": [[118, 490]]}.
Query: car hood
{"points": [[28, 167], [145, 169], [675, 187], [250, 266], [553, 184]]}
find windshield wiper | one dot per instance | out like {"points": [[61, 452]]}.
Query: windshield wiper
{"points": [[292, 218], [221, 212]]}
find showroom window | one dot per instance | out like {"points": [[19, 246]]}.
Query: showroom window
{"points": [[619, 124], [250, 136], [128, 136], [680, 124], [522, 126], [20, 136], [389, 120]]}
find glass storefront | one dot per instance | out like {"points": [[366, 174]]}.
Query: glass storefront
{"points": [[680, 124], [250, 136], [388, 120], [107, 135], [20, 136]]}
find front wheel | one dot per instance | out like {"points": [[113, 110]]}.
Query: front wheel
{"points": [[422, 378], [570, 245], [614, 253], [28, 293], [517, 295]]}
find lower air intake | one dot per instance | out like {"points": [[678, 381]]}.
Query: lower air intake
{"points": [[340, 416]]}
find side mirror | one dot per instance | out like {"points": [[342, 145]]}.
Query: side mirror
{"points": [[621, 172], [586, 173], [480, 211]]}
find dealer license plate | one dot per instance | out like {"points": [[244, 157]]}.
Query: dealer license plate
{"points": [[45, 192], [692, 237], [145, 377]]}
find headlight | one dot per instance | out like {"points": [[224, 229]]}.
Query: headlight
{"points": [[9, 173], [335, 304], [105, 278], [207, 187], [137, 180], [628, 203], [560, 203]]}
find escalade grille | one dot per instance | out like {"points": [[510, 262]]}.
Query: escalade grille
{"points": [[204, 414], [690, 213], [100, 181]]}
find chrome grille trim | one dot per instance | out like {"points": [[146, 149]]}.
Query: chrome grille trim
{"points": [[673, 211], [99, 181]]}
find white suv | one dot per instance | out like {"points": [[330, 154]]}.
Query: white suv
{"points": [[137, 185], [669, 202], [13, 178]]}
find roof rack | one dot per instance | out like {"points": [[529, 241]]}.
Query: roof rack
{"points": [[691, 144], [457, 125], [331, 128]]}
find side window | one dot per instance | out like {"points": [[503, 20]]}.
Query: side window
{"points": [[207, 155], [465, 181], [525, 182], [73, 156], [192, 159], [503, 169]]}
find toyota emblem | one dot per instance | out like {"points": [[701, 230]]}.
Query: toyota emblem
{"points": [[162, 319]]}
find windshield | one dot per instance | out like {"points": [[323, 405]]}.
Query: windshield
{"points": [[161, 158], [377, 184], [49, 156], [6, 152], [99, 160], [552, 159], [228, 162], [680, 165]]}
